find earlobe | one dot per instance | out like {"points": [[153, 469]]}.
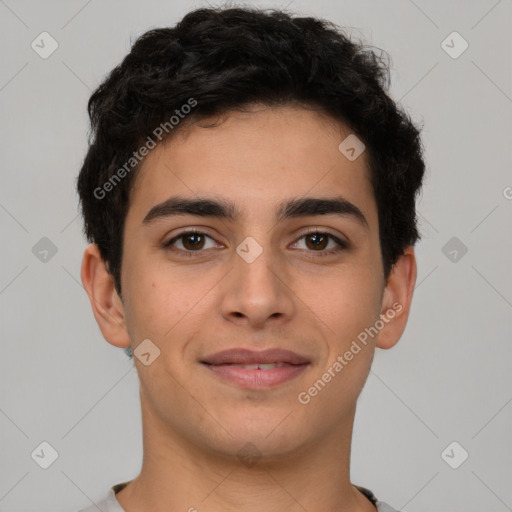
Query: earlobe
{"points": [[397, 298], [105, 302]]}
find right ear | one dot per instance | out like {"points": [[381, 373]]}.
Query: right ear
{"points": [[106, 304]]}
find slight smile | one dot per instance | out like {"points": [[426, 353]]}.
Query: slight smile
{"points": [[256, 370]]}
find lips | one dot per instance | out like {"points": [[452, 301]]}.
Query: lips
{"points": [[256, 370], [246, 357]]}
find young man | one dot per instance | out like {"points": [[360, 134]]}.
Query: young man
{"points": [[249, 192]]}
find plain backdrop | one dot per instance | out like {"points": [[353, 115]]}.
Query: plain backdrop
{"points": [[449, 378]]}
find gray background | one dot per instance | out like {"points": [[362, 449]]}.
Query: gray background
{"points": [[448, 379]]}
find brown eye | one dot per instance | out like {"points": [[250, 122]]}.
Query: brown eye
{"points": [[193, 241], [189, 242], [318, 241]]}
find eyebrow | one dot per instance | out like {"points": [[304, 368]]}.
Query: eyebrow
{"points": [[222, 209]]}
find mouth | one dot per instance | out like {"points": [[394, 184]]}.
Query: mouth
{"points": [[256, 370], [257, 366]]}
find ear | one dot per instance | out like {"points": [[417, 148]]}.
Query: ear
{"points": [[106, 304], [397, 298]]}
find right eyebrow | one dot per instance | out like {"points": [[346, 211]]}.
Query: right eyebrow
{"points": [[202, 207]]}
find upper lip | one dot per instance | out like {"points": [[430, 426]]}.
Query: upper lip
{"points": [[244, 356]]}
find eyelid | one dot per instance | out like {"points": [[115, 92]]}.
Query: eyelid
{"points": [[341, 243], [189, 231], [325, 231]]}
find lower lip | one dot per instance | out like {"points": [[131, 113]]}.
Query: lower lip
{"points": [[256, 379]]}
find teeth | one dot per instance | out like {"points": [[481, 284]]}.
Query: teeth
{"points": [[269, 366], [260, 366]]}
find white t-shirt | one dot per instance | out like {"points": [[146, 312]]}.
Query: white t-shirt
{"points": [[110, 503]]}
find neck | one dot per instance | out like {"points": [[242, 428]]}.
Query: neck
{"points": [[176, 474]]}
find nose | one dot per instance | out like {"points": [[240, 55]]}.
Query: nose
{"points": [[258, 292]]}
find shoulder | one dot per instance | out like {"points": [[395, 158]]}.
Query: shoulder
{"points": [[384, 507], [381, 506], [109, 503]]}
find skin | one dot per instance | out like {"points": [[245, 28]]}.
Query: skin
{"points": [[195, 424]]}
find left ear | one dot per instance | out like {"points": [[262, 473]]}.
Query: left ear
{"points": [[397, 298]]}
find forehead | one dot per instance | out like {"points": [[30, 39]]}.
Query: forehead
{"points": [[255, 159]]}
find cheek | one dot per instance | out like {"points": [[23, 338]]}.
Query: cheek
{"points": [[152, 303], [347, 301], [350, 305], [166, 307], [157, 310]]}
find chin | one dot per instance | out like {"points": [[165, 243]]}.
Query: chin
{"points": [[265, 437]]}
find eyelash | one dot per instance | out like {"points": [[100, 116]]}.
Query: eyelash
{"points": [[319, 254]]}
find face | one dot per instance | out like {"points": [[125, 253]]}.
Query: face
{"points": [[254, 275]]}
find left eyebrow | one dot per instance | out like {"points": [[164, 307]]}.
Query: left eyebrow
{"points": [[222, 209], [321, 206]]}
